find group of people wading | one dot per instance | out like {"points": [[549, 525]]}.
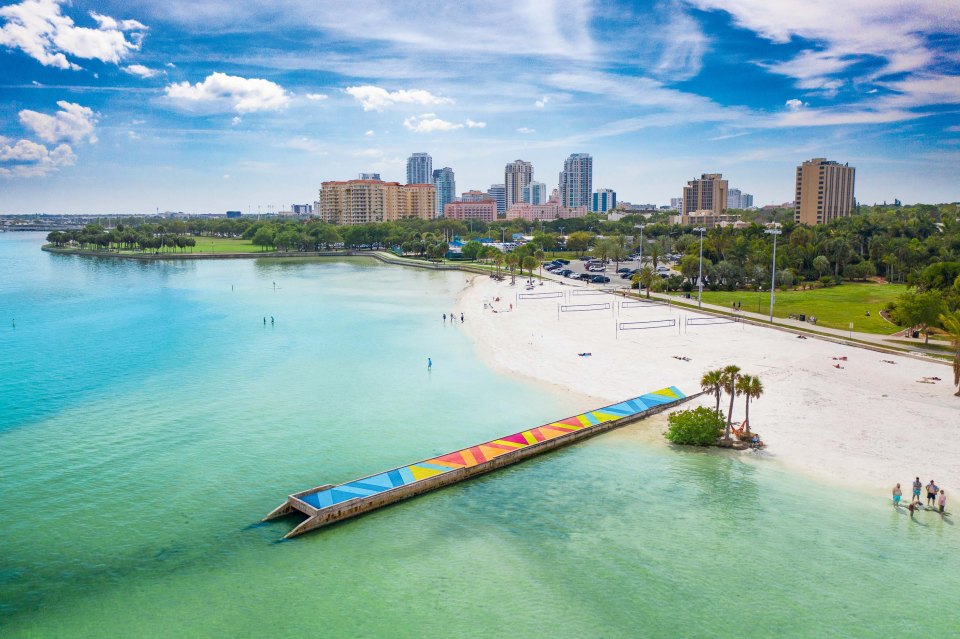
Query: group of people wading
{"points": [[936, 498]]}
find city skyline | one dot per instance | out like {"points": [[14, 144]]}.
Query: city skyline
{"points": [[214, 107]]}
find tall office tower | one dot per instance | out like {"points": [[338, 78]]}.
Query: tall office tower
{"points": [[824, 191], [676, 203], [369, 176], [446, 188], [420, 169], [604, 200], [708, 193], [734, 199], [516, 175], [576, 180], [535, 193], [746, 201], [499, 194]]}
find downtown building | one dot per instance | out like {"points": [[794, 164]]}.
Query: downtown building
{"points": [[446, 185], [365, 201], [498, 192], [576, 180], [548, 212], [604, 200], [535, 193], [737, 199], [824, 191], [420, 169], [516, 175], [474, 196], [483, 210]]}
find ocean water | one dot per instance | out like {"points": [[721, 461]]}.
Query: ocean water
{"points": [[149, 418]]}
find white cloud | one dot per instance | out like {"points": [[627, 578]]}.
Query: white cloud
{"points": [[428, 123], [141, 71], [369, 133], [170, 65], [475, 125], [316, 96], [795, 104], [952, 129], [29, 159], [219, 92], [542, 102], [72, 123], [525, 130], [40, 30], [236, 120], [226, 176], [133, 135], [373, 98]]}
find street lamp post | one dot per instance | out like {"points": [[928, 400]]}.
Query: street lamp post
{"points": [[773, 268], [640, 257], [701, 231]]}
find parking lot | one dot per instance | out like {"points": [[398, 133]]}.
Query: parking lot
{"points": [[592, 270]]}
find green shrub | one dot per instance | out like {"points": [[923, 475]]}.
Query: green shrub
{"points": [[697, 427]]}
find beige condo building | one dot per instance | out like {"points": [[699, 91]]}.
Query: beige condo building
{"points": [[824, 191], [364, 201]]}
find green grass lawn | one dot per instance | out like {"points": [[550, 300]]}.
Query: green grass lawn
{"points": [[834, 307], [223, 245]]}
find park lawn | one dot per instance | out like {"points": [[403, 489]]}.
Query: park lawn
{"points": [[224, 245], [834, 307]]}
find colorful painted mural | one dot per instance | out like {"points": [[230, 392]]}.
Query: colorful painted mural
{"points": [[480, 453]]}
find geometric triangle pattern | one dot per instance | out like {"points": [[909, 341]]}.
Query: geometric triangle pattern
{"points": [[482, 453]]}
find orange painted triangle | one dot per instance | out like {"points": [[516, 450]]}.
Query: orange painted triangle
{"points": [[490, 452], [517, 438], [550, 433], [454, 459]]}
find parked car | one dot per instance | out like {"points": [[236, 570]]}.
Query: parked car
{"points": [[552, 267], [573, 276], [565, 272], [560, 260], [662, 269], [600, 279], [623, 269]]}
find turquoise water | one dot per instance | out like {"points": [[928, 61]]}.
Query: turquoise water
{"points": [[148, 419]]}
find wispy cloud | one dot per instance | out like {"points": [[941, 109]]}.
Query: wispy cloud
{"points": [[374, 98], [72, 123], [429, 123]]}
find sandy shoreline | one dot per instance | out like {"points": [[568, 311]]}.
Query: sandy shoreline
{"points": [[866, 425]]}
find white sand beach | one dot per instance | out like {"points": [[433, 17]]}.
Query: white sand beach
{"points": [[866, 425]]}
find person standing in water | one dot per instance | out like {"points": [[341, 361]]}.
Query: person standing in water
{"points": [[917, 487], [429, 363], [932, 490], [444, 318], [942, 500], [897, 494], [461, 318]]}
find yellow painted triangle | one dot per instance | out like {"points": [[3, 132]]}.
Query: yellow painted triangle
{"points": [[501, 442], [665, 392], [605, 417], [419, 472], [527, 435]]}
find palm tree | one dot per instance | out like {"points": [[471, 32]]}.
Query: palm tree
{"points": [[712, 382], [645, 278], [750, 387], [528, 263], [539, 255], [511, 260], [497, 261], [951, 324], [730, 374]]}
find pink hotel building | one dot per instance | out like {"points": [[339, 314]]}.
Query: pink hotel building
{"points": [[547, 212], [484, 210]]}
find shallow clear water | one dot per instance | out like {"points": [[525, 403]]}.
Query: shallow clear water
{"points": [[148, 419]]}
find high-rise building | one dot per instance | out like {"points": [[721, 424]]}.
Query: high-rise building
{"points": [[369, 176], [499, 194], [516, 175], [708, 193], [535, 193], [576, 180], [676, 203], [446, 187], [363, 201], [420, 169], [824, 191], [737, 199], [604, 200]]}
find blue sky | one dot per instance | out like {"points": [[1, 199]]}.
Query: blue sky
{"points": [[119, 106]]}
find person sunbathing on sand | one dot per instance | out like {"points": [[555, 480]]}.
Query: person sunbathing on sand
{"points": [[838, 366], [584, 354]]}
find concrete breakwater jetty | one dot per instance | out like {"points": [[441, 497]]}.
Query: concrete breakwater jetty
{"points": [[329, 503]]}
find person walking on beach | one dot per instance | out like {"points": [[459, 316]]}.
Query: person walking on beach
{"points": [[932, 491], [897, 494], [917, 487], [444, 318], [942, 501], [461, 318]]}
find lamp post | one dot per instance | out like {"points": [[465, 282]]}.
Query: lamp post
{"points": [[773, 268], [701, 231], [640, 257]]}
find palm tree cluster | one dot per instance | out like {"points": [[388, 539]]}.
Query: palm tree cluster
{"points": [[731, 381]]}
